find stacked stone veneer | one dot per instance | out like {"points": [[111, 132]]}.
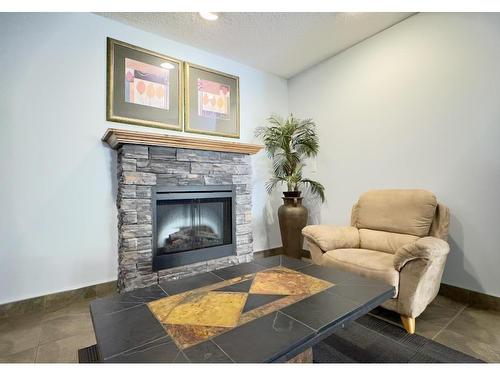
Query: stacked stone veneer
{"points": [[140, 168]]}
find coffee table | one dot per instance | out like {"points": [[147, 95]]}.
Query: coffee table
{"points": [[269, 310]]}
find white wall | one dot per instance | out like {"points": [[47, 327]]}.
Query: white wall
{"points": [[58, 227], [417, 106]]}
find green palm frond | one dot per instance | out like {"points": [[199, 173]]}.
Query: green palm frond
{"points": [[315, 188], [288, 143], [273, 182]]}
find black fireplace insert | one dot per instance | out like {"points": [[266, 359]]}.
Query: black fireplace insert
{"points": [[192, 224]]}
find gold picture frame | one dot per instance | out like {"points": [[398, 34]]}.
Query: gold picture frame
{"points": [[119, 108], [214, 120]]}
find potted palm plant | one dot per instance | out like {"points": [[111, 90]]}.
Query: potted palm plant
{"points": [[288, 144]]}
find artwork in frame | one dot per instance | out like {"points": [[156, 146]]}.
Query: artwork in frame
{"points": [[143, 87], [212, 102]]}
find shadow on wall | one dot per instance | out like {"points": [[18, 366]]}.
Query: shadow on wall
{"points": [[265, 221], [457, 270], [273, 202], [313, 205], [114, 177]]}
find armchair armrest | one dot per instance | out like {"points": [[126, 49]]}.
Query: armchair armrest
{"points": [[427, 248], [420, 265], [330, 237]]}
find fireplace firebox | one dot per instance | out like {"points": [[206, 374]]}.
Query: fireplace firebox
{"points": [[192, 224]]}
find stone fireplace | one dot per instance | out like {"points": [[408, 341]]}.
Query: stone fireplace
{"points": [[182, 209]]}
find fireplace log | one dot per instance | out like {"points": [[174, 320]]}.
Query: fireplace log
{"points": [[187, 238]]}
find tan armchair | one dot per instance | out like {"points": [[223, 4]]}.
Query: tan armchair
{"points": [[396, 236]]}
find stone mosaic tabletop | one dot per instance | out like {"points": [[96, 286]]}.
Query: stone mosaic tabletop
{"points": [[268, 310]]}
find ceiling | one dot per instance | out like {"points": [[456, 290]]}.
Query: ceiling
{"points": [[280, 43]]}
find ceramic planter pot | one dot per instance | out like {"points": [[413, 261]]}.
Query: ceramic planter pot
{"points": [[292, 217]]}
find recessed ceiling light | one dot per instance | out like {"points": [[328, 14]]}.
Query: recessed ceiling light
{"points": [[209, 16], [167, 65]]}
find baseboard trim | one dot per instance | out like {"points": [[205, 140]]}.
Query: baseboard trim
{"points": [[268, 253], [278, 251], [54, 301], [470, 297]]}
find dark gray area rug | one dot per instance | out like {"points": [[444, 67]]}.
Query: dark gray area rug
{"points": [[88, 355], [373, 340], [366, 340]]}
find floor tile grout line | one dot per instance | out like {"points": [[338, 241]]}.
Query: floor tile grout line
{"points": [[37, 347], [39, 325], [451, 321], [61, 338]]}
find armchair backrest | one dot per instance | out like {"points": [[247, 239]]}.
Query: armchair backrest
{"points": [[388, 219]]}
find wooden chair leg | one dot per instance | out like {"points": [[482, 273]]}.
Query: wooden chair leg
{"points": [[409, 324]]}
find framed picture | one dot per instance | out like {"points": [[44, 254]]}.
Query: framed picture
{"points": [[143, 87], [212, 102]]}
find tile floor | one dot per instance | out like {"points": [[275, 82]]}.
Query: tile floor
{"points": [[464, 328], [56, 336]]}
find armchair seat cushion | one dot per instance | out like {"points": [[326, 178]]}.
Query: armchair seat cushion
{"points": [[384, 241], [368, 263]]}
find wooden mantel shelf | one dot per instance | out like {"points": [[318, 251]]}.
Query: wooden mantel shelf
{"points": [[117, 137]]}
